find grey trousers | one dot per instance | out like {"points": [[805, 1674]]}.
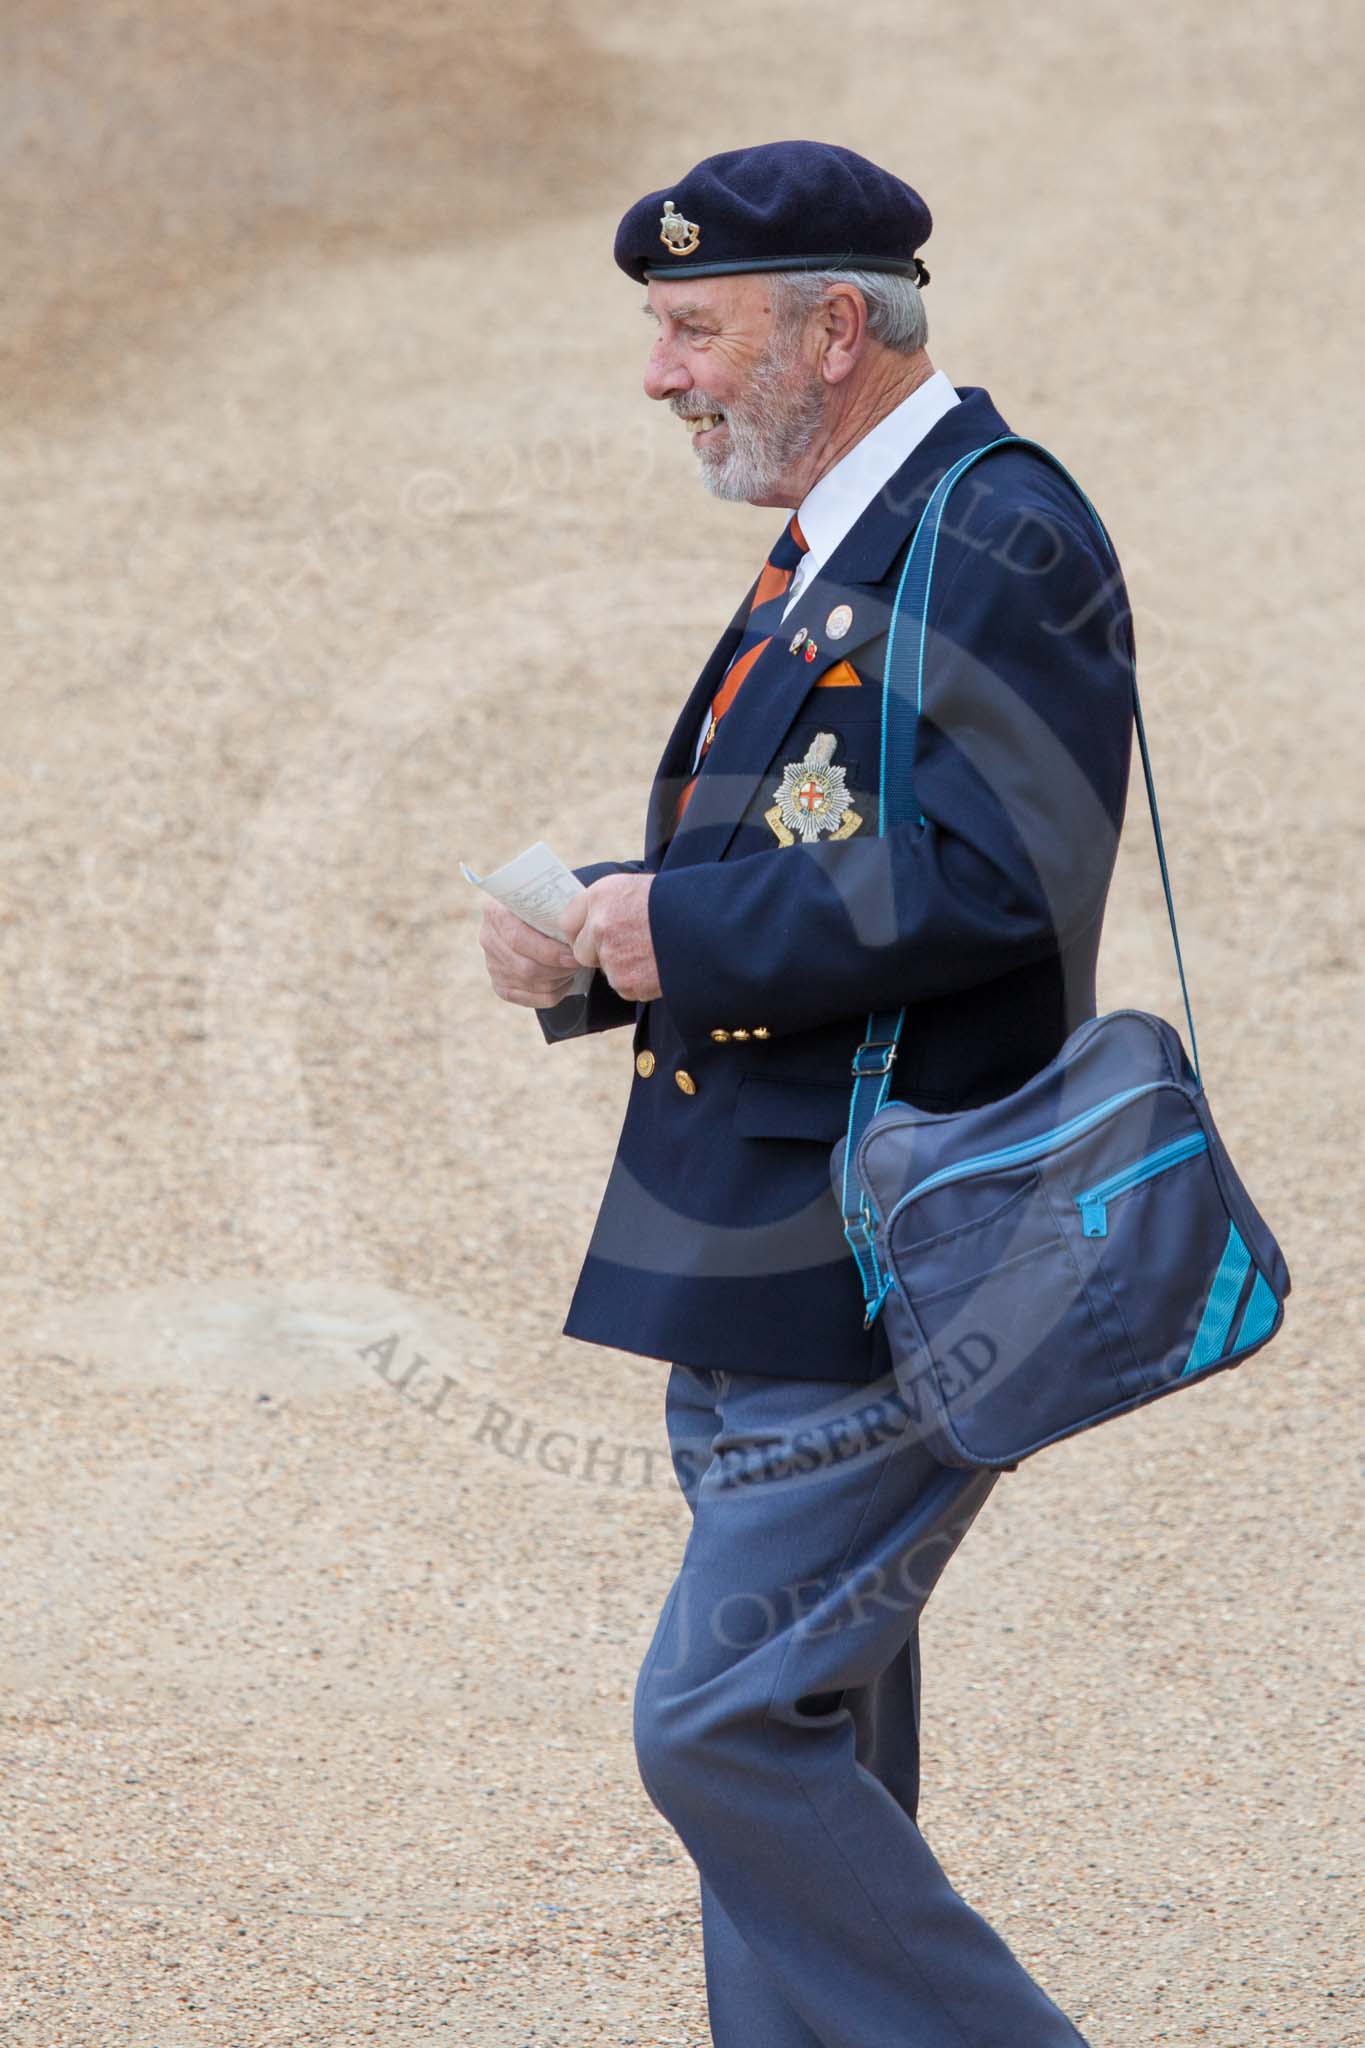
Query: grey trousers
{"points": [[777, 1725]]}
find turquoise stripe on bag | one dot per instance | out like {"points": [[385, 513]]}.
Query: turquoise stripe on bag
{"points": [[1210, 1339], [1259, 1315]]}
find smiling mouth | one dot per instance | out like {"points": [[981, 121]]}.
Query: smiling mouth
{"points": [[701, 423]]}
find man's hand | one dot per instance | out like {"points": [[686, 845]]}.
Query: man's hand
{"points": [[608, 927], [523, 965]]}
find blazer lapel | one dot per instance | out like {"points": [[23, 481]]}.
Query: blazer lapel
{"points": [[775, 688], [675, 763]]}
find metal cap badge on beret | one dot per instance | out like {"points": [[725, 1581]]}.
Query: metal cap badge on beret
{"points": [[778, 206]]}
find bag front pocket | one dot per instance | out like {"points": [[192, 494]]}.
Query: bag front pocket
{"points": [[1158, 1229], [1093, 1203], [1008, 1347]]}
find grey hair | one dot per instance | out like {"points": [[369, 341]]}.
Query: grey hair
{"points": [[895, 304]]}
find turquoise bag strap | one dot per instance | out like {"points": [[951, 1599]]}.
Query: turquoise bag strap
{"points": [[902, 698]]}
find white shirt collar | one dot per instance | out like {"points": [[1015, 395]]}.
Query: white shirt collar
{"points": [[831, 506]]}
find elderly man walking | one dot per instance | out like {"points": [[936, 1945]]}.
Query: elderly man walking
{"points": [[777, 1710]]}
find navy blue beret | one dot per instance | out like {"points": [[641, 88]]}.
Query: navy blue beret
{"points": [[779, 206]]}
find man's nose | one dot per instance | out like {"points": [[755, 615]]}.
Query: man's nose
{"points": [[664, 374]]}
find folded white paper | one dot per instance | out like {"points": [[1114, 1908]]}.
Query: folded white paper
{"points": [[536, 885]]}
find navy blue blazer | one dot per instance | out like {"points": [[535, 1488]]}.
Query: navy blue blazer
{"points": [[719, 1241]]}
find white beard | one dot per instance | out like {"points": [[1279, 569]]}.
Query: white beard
{"points": [[771, 428]]}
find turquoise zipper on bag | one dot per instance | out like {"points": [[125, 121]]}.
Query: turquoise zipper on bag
{"points": [[1092, 1201], [1028, 1148]]}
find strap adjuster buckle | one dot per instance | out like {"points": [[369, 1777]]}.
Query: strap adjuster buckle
{"points": [[883, 1051], [858, 1231]]}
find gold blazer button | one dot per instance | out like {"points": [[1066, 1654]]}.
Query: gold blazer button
{"points": [[762, 1031], [721, 1037], [644, 1064], [741, 1036], [685, 1081]]}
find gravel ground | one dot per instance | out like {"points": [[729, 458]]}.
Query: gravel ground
{"points": [[332, 510]]}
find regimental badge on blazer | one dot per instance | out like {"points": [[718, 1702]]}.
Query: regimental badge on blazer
{"points": [[812, 797]]}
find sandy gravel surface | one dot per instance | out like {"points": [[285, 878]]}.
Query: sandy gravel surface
{"points": [[340, 544]]}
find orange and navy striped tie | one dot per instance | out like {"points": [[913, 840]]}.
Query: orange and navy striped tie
{"points": [[764, 617]]}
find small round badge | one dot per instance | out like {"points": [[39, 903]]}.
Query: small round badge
{"points": [[839, 621], [797, 641], [811, 650]]}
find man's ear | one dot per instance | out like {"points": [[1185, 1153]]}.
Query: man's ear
{"points": [[843, 316]]}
